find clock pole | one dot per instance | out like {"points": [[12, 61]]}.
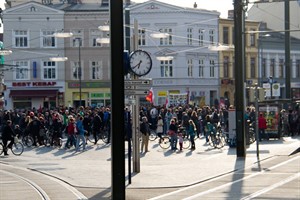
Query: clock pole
{"points": [[135, 133]]}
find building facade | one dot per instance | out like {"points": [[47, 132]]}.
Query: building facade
{"points": [[192, 73], [35, 80], [227, 71]]}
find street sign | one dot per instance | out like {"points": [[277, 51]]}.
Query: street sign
{"points": [[136, 92], [136, 87], [138, 82]]}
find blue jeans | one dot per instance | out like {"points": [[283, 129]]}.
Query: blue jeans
{"points": [[174, 142], [82, 138]]}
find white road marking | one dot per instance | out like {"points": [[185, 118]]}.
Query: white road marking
{"points": [[217, 188], [271, 187]]}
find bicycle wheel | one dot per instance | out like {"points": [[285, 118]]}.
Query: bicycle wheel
{"points": [[152, 135], [1, 148], [165, 143], [17, 148], [91, 138], [211, 140], [186, 143], [219, 142], [104, 136], [251, 137], [27, 140]]}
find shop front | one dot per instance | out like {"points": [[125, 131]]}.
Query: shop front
{"points": [[27, 95], [93, 94]]}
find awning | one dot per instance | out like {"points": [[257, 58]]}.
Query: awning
{"points": [[33, 93]]}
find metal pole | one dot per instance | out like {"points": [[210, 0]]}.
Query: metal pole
{"points": [[117, 99], [287, 50], [127, 41], [136, 131], [79, 68], [239, 27], [256, 123]]}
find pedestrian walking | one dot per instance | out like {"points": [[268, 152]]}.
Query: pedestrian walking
{"points": [[192, 130], [7, 135], [172, 132], [71, 133], [145, 130], [262, 125], [80, 134]]}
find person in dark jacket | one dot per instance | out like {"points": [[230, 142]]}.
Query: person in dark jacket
{"points": [[145, 130], [7, 135], [96, 123]]}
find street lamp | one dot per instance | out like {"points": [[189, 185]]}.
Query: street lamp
{"points": [[68, 35], [271, 86], [79, 68]]}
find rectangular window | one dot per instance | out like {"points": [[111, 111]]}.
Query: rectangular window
{"points": [[94, 34], [22, 71], [272, 67], [201, 37], [252, 67], [168, 40], [212, 36], [264, 68], [77, 38], [212, 68], [21, 38], [189, 36], [142, 37], [280, 70], [166, 68], [201, 68], [49, 70], [96, 70], [190, 67], [225, 35], [233, 41], [48, 40], [252, 38], [226, 67], [297, 69], [75, 70]]}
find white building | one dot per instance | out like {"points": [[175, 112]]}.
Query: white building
{"points": [[193, 72]]}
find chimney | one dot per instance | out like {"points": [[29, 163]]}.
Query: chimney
{"points": [[195, 5], [230, 14]]}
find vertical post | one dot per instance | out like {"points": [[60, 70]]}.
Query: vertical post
{"points": [[117, 99], [287, 50], [256, 121], [135, 131], [127, 44], [79, 68], [239, 27]]}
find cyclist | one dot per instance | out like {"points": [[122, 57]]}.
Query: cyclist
{"points": [[7, 135]]}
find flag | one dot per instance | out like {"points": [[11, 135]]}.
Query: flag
{"points": [[167, 102], [150, 96]]}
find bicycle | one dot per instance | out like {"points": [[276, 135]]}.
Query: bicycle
{"points": [[102, 134], [17, 147], [165, 143], [216, 139]]}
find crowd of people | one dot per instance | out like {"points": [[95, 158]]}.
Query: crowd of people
{"points": [[75, 124], [198, 122]]}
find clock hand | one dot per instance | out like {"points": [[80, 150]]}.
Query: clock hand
{"points": [[137, 65]]}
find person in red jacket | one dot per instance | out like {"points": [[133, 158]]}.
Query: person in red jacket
{"points": [[262, 125]]}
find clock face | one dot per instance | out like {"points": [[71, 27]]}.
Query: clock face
{"points": [[140, 62]]}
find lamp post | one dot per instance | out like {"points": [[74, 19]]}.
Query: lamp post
{"points": [[79, 69], [271, 86]]}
